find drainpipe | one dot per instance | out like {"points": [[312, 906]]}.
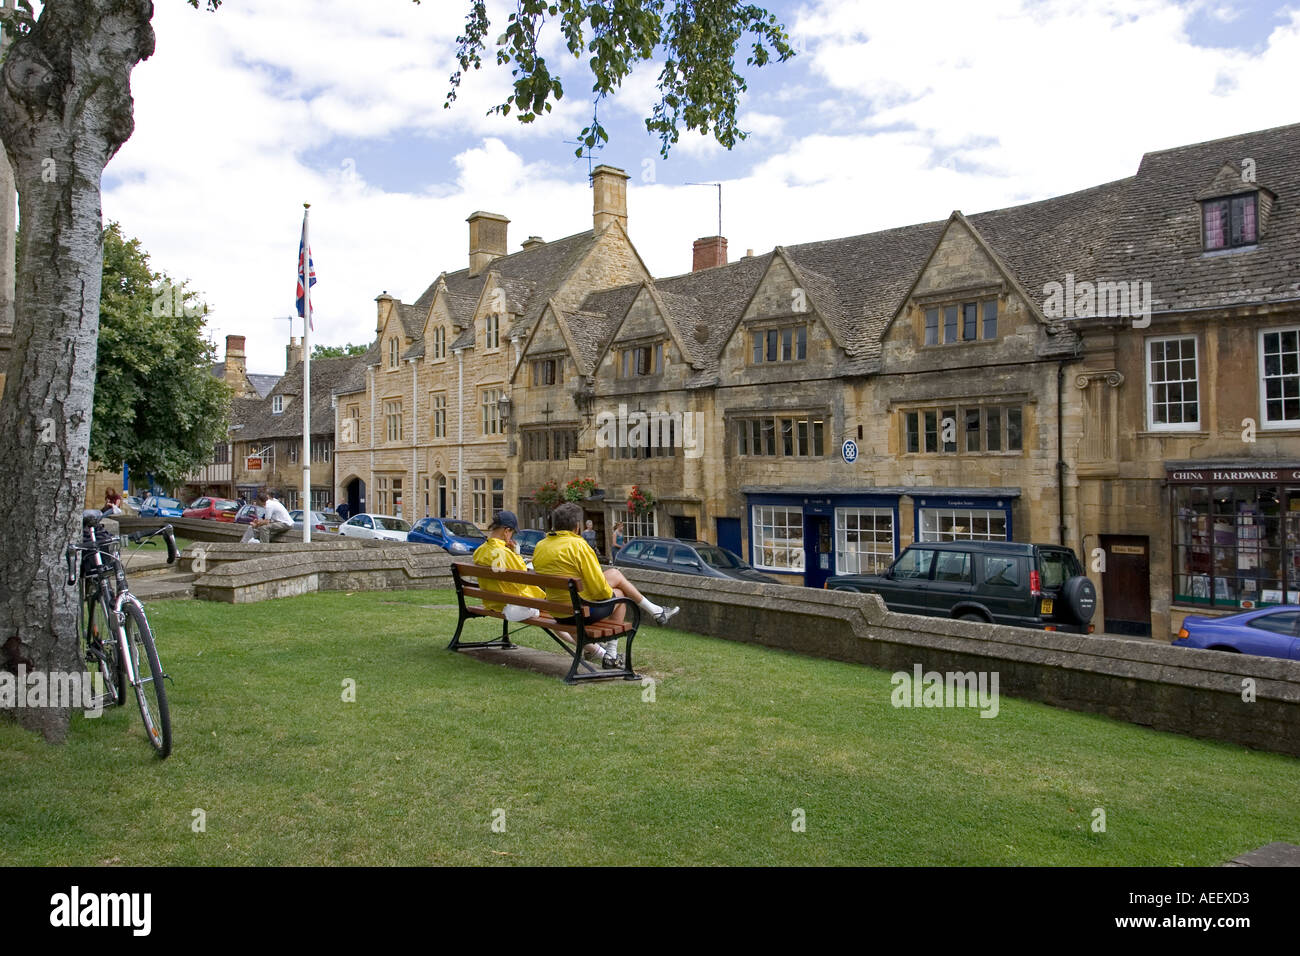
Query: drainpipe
{"points": [[1060, 453], [460, 444], [371, 482], [415, 420]]}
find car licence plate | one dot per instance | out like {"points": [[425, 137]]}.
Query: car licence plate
{"points": [[1047, 607]]}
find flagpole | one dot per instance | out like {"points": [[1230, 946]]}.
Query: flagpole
{"points": [[305, 267]]}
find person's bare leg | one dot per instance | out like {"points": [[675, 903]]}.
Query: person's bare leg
{"points": [[622, 586]]}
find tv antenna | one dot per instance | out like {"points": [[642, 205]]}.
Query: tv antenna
{"points": [[589, 152], [719, 185]]}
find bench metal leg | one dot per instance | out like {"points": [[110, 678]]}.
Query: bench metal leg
{"points": [[502, 642]]}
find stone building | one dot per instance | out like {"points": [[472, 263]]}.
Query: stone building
{"points": [[423, 422], [1066, 371], [1115, 369], [266, 433]]}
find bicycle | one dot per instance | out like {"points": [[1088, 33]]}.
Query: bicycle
{"points": [[129, 656]]}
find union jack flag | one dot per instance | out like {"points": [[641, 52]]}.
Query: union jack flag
{"points": [[305, 269]]}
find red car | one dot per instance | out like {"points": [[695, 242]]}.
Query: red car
{"points": [[212, 508]]}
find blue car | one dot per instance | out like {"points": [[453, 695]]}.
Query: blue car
{"points": [[527, 539], [1271, 632], [456, 537], [156, 506]]}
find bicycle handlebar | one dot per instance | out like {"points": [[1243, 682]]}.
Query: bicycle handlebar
{"points": [[170, 539]]}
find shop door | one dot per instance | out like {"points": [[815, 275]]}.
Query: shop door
{"points": [[1126, 584], [819, 561], [729, 535]]}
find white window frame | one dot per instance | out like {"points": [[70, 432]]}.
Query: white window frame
{"points": [[635, 526], [1265, 421], [1151, 386], [777, 518], [928, 531], [870, 522], [277, 404]]}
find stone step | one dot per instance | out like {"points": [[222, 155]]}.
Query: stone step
{"points": [[162, 589]]}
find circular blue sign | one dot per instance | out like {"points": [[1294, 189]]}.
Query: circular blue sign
{"points": [[850, 450]]}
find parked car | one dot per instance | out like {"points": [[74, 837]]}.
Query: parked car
{"points": [[685, 556], [157, 506], [456, 537], [321, 520], [1270, 632], [210, 507], [248, 513], [1003, 582], [375, 526], [132, 504], [527, 539]]}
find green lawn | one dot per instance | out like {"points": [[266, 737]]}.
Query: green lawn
{"points": [[437, 744]]}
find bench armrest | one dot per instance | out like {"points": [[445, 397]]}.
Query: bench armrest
{"points": [[636, 610]]}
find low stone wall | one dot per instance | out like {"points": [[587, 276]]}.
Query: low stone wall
{"points": [[201, 529], [1156, 685], [246, 573]]}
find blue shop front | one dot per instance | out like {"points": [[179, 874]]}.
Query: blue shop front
{"points": [[811, 534]]}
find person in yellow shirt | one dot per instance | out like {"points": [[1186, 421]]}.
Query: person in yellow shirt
{"points": [[563, 552], [498, 553]]}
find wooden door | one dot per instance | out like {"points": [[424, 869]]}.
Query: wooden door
{"points": [[1126, 584]]}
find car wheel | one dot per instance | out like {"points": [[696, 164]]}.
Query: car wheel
{"points": [[1224, 648], [973, 616], [1078, 598]]}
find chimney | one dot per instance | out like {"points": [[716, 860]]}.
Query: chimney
{"points": [[532, 242], [235, 368], [385, 303], [292, 353], [487, 239], [710, 252], [608, 197]]}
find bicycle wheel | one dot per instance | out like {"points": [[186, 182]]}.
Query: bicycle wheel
{"points": [[149, 687], [102, 656]]}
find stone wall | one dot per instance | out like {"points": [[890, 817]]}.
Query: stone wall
{"points": [[1194, 692]]}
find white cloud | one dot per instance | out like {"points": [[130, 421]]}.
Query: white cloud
{"points": [[894, 117]]}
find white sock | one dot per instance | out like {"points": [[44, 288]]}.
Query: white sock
{"points": [[649, 606], [611, 648]]}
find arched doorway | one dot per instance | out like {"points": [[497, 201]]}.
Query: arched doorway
{"points": [[355, 489]]}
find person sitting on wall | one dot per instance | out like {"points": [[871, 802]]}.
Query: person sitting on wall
{"points": [[277, 519], [563, 552]]}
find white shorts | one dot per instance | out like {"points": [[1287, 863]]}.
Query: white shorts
{"points": [[517, 613]]}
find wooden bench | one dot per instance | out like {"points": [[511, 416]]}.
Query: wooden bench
{"points": [[469, 577]]}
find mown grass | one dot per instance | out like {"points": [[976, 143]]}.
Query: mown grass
{"points": [[437, 745]]}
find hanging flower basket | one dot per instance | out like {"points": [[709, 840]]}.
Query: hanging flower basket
{"points": [[640, 501], [579, 488], [548, 496]]}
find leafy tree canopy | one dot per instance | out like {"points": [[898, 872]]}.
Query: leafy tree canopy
{"points": [[697, 41], [157, 406], [338, 351]]}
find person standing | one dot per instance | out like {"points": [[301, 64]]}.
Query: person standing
{"points": [[589, 536], [277, 519], [343, 511], [619, 538]]}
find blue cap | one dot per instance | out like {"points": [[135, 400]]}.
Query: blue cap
{"points": [[506, 519]]}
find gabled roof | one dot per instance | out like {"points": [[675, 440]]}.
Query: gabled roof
{"points": [[706, 305], [263, 383], [327, 375], [1158, 236], [593, 324]]}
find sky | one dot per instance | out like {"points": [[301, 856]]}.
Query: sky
{"points": [[890, 114]]}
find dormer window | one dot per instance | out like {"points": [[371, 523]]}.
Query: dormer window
{"points": [[493, 331], [961, 322], [394, 350], [1230, 221], [548, 371], [440, 343], [277, 404]]}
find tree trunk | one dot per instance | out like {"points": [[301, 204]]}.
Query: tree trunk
{"points": [[65, 109]]}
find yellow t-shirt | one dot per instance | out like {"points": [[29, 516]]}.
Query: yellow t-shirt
{"points": [[565, 553], [497, 555]]}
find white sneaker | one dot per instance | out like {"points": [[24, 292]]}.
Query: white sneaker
{"points": [[663, 616]]}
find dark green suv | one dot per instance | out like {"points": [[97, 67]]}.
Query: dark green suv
{"points": [[1002, 582]]}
